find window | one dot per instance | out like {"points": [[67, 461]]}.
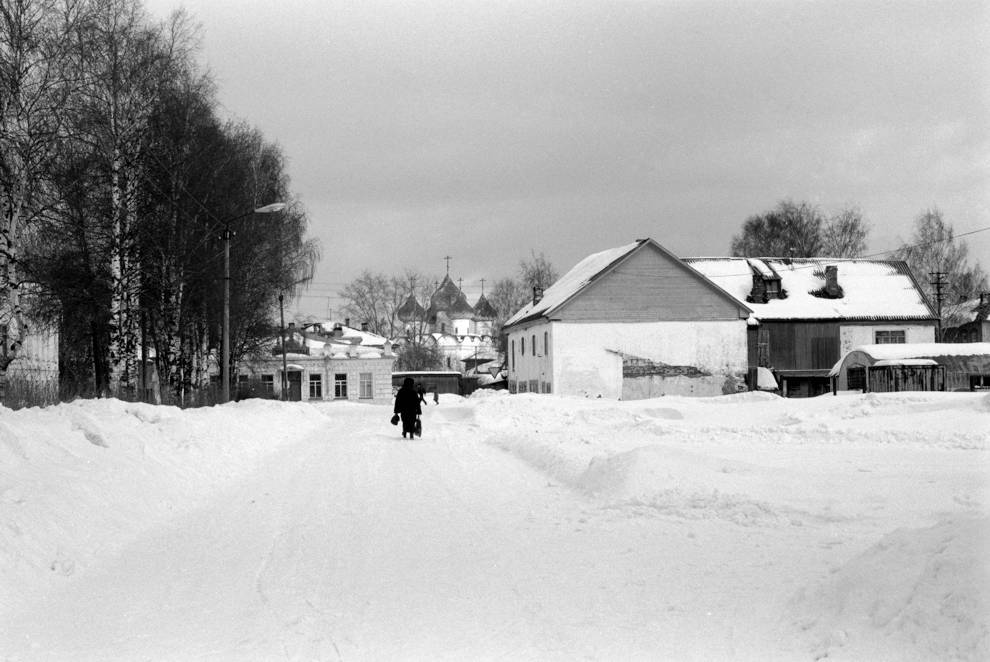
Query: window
{"points": [[521, 386], [315, 386], [534, 386], [513, 355], [268, 383], [522, 346], [365, 384], [242, 380], [546, 344], [533, 340], [340, 385], [889, 337]]}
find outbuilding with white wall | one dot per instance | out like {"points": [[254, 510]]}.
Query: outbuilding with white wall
{"points": [[630, 322]]}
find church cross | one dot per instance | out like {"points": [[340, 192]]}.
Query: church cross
{"points": [[447, 260]]}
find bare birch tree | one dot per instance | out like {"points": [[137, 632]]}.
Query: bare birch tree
{"points": [[34, 37]]}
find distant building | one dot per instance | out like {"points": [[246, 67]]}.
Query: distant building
{"points": [[637, 321], [461, 332], [975, 323], [32, 373], [629, 322], [808, 311], [323, 361]]}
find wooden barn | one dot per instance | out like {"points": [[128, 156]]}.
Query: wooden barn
{"points": [[913, 367], [808, 312]]}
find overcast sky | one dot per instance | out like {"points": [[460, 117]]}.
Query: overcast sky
{"points": [[488, 130]]}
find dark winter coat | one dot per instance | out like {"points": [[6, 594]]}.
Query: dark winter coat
{"points": [[407, 406]]}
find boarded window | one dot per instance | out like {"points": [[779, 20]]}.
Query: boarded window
{"points": [[367, 391], [856, 378]]}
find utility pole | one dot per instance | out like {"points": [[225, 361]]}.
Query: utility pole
{"points": [[938, 282]]}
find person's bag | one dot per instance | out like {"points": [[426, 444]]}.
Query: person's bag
{"points": [[395, 419], [418, 429]]}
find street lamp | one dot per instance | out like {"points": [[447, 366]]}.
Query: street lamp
{"points": [[285, 367], [225, 349]]}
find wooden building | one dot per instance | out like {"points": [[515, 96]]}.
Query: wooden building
{"points": [[913, 367], [808, 312]]}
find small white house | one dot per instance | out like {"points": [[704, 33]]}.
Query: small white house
{"points": [[323, 361], [630, 322]]}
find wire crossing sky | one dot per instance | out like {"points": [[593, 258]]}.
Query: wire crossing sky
{"points": [[486, 131]]}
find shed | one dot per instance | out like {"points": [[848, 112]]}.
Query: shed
{"points": [[913, 367]]}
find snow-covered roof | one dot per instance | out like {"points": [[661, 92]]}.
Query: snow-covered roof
{"points": [[871, 289], [573, 281], [887, 362], [901, 352], [348, 335], [924, 350]]}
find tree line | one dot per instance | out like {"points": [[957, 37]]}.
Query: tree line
{"points": [[117, 180], [376, 297]]}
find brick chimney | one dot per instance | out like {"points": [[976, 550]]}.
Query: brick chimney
{"points": [[537, 294], [832, 288], [759, 291], [364, 326]]}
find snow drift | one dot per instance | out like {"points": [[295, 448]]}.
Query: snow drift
{"points": [[741, 527]]}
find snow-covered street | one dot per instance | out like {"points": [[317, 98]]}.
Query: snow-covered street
{"points": [[519, 527]]}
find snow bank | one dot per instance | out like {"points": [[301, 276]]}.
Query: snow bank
{"points": [[924, 590], [657, 453], [80, 480], [853, 527]]}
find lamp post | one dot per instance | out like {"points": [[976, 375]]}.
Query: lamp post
{"points": [[225, 347], [285, 367]]}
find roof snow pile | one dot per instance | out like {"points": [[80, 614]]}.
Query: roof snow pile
{"points": [[922, 350], [872, 289]]}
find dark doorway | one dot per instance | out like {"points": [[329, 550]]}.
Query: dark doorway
{"points": [[295, 386]]}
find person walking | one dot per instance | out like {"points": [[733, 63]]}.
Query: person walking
{"points": [[421, 392], [408, 409]]}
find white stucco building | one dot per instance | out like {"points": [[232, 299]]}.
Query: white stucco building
{"points": [[629, 322]]}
